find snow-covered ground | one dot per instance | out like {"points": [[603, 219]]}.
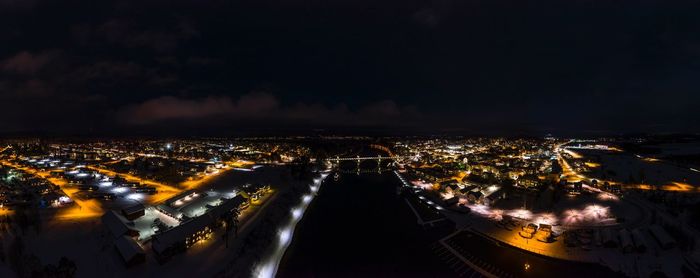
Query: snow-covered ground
{"points": [[89, 245], [270, 264], [632, 264], [620, 167], [689, 148]]}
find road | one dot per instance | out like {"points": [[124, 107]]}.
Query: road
{"points": [[84, 209]]}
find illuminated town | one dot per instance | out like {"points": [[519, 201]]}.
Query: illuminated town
{"points": [[361, 138], [227, 207]]}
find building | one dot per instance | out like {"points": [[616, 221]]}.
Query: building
{"points": [[134, 212], [626, 241], [608, 237], [662, 237], [640, 243], [182, 237], [452, 201], [465, 191], [228, 205], [117, 225], [493, 196], [475, 196], [130, 251], [578, 187]]}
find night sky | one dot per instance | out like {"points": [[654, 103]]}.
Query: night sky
{"points": [[458, 66]]}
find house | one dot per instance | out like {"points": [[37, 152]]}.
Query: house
{"points": [[451, 201], [465, 191], [255, 191], [626, 241], [640, 243], [448, 185], [608, 238], [452, 188], [475, 196], [494, 196], [134, 212], [578, 187], [528, 181], [662, 237], [117, 225], [130, 251]]}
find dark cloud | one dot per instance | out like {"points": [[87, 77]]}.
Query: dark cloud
{"points": [[427, 17], [25, 62], [129, 34], [499, 65], [261, 108], [16, 5], [168, 108]]}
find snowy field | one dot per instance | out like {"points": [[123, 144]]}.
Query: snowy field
{"points": [[88, 244], [587, 210], [623, 167]]}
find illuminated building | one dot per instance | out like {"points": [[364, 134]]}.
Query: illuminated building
{"points": [[183, 236]]}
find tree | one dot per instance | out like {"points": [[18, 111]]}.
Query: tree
{"points": [[50, 270], [32, 265], [66, 268], [2, 251], [508, 185], [231, 223], [15, 253], [236, 213]]}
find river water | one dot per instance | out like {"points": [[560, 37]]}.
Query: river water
{"points": [[359, 227]]}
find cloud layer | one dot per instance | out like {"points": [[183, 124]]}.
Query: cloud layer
{"points": [[263, 107], [570, 66]]}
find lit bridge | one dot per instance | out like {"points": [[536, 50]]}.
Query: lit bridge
{"points": [[384, 163], [358, 171], [360, 158]]}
